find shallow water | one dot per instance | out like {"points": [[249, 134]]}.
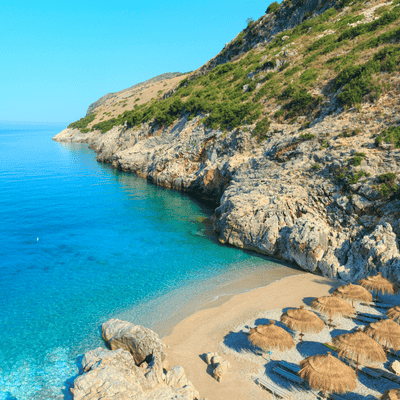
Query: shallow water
{"points": [[81, 243]]}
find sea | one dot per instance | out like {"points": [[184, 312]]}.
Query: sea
{"points": [[80, 243]]}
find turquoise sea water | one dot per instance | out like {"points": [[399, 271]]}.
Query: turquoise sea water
{"points": [[80, 243]]}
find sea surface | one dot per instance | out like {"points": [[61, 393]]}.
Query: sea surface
{"points": [[81, 243]]}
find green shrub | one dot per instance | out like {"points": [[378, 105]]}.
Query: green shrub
{"points": [[386, 19], [83, 123], [272, 8], [261, 129], [308, 76], [387, 185], [315, 167], [390, 135], [353, 179], [292, 71], [357, 159], [307, 136]]}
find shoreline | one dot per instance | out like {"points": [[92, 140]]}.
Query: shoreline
{"points": [[206, 330], [163, 313]]}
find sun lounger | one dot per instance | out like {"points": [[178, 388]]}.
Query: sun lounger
{"points": [[334, 396], [361, 318], [290, 367], [371, 372], [372, 316], [288, 375], [390, 376], [275, 389], [378, 304]]}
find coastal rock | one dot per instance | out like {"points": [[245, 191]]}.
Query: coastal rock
{"points": [[395, 367], [141, 342], [114, 375], [377, 252], [75, 135]]}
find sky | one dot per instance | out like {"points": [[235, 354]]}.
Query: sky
{"points": [[58, 57]]}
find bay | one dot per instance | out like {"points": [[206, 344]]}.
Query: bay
{"points": [[81, 243]]}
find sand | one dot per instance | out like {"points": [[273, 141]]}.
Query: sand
{"points": [[206, 330]]}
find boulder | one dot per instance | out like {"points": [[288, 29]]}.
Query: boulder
{"points": [[141, 342], [395, 367], [114, 375]]}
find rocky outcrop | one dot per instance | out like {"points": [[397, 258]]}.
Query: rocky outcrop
{"points": [[135, 368], [141, 342], [280, 197], [75, 135], [113, 375]]}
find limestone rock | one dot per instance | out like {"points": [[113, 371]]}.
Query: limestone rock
{"points": [[113, 375], [141, 342], [395, 367]]}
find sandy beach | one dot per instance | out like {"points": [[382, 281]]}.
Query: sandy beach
{"points": [[208, 329]]}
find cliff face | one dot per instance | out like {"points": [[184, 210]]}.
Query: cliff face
{"points": [[317, 188]]}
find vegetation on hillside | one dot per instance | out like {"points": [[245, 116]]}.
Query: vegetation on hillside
{"points": [[334, 54]]}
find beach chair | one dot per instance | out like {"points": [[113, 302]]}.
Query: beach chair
{"points": [[371, 372], [377, 304], [293, 368], [372, 316], [274, 389], [361, 318], [390, 376], [288, 375], [334, 396]]}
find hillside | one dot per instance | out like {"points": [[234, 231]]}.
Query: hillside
{"points": [[292, 129]]}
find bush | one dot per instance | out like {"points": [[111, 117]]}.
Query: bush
{"points": [[83, 123], [307, 136], [261, 129], [387, 186], [308, 76], [357, 159], [272, 8], [390, 135]]}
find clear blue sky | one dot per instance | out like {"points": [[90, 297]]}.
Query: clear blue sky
{"points": [[57, 57]]}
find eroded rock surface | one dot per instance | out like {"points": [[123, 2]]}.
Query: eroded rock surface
{"points": [[135, 368], [141, 342], [272, 198]]}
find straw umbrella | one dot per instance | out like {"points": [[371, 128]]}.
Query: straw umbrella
{"points": [[394, 314], [353, 292], [300, 319], [386, 332], [332, 306], [327, 373], [378, 284], [270, 336], [392, 394], [359, 346]]}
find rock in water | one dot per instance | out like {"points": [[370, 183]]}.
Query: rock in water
{"points": [[141, 342], [113, 375]]}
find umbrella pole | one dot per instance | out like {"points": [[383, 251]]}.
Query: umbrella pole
{"points": [[357, 364], [301, 337]]}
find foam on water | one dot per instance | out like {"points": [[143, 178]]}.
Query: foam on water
{"points": [[110, 245]]}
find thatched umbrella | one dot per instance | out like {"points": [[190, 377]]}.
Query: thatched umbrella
{"points": [[359, 346], [300, 319], [394, 314], [332, 306], [378, 284], [270, 336], [386, 332], [327, 373], [353, 292], [392, 394]]}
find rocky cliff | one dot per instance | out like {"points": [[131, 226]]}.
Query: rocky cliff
{"points": [[293, 130]]}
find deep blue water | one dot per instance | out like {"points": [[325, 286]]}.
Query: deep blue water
{"points": [[81, 243]]}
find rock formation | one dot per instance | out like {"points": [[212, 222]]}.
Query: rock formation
{"points": [[323, 193], [133, 370]]}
